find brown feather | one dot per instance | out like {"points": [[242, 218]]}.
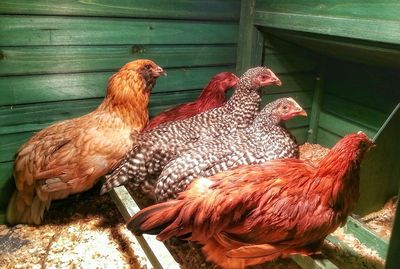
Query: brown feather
{"points": [[70, 156], [257, 213]]}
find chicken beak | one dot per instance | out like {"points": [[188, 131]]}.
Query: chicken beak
{"points": [[302, 113], [158, 71], [274, 79]]}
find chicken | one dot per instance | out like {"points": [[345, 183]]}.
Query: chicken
{"points": [[265, 139], [212, 96], [258, 213], [68, 157], [143, 164]]}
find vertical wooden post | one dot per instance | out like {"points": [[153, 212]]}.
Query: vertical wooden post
{"points": [[250, 41], [316, 106]]}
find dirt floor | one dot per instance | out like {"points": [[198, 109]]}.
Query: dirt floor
{"points": [[87, 231]]}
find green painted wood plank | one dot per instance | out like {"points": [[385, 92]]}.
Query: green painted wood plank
{"points": [[288, 62], [367, 9], [45, 88], [354, 112], [340, 126], [177, 9], [2, 216], [155, 250], [367, 237], [51, 30], [304, 98], [292, 83], [5, 175], [307, 262], [352, 27], [370, 53], [316, 108], [250, 39], [370, 86], [380, 169], [300, 134], [67, 59], [326, 138], [345, 256], [32, 117]]}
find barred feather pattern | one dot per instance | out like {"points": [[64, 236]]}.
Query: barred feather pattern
{"points": [[265, 139], [143, 164]]}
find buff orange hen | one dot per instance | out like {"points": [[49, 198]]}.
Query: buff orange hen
{"points": [[69, 157]]}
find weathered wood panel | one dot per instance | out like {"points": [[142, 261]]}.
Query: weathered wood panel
{"points": [[45, 88], [68, 59], [373, 21], [56, 58], [54, 30], [176, 9]]}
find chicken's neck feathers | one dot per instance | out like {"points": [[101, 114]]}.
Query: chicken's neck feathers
{"points": [[339, 174], [127, 97]]}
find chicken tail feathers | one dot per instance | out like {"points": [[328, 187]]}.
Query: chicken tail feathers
{"points": [[23, 210], [155, 219]]}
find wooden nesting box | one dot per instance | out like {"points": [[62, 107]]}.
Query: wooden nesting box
{"points": [[340, 60]]}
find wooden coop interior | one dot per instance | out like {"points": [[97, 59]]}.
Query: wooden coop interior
{"points": [[339, 59]]}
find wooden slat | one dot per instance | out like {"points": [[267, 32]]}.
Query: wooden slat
{"points": [[288, 62], [371, 53], [380, 169], [316, 108], [300, 134], [177, 9], [46, 88], [156, 251], [304, 98], [352, 27], [307, 262], [340, 126], [52, 30], [326, 138], [293, 83], [367, 237], [67, 59], [368, 9], [5, 175], [354, 112], [250, 40]]}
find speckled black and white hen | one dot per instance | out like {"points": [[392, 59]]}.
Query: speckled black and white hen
{"points": [[143, 164], [265, 139]]}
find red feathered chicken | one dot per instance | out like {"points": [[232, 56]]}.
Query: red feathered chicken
{"points": [[69, 157], [257, 213], [212, 96]]}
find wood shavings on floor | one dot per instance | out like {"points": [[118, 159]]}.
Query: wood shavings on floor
{"points": [[359, 257], [85, 231], [381, 222]]}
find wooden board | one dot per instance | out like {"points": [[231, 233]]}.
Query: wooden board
{"points": [[73, 59], [58, 30], [342, 18], [177, 9]]}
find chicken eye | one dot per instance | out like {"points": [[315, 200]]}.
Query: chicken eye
{"points": [[285, 107], [147, 66]]}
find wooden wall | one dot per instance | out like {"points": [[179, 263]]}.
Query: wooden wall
{"points": [[56, 57], [296, 67]]}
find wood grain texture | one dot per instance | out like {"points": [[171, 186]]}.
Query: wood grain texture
{"points": [[176, 9], [371, 20], [58, 87], [61, 30], [68, 59], [367, 9]]}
